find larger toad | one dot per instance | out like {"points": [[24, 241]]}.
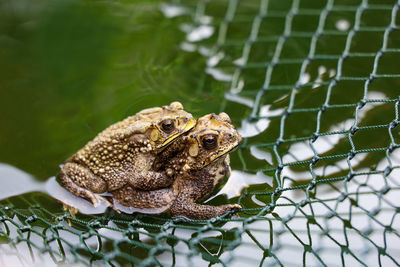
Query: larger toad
{"points": [[124, 153], [200, 160]]}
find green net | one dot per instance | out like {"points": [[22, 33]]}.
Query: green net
{"points": [[314, 87]]}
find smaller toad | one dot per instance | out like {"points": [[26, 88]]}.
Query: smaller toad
{"points": [[200, 160], [124, 153]]}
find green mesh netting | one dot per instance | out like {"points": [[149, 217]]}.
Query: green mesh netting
{"points": [[315, 87]]}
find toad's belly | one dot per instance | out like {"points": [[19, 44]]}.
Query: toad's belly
{"points": [[130, 200]]}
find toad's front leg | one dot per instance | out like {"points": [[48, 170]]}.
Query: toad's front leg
{"points": [[81, 182]]}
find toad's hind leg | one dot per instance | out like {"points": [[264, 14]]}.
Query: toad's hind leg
{"points": [[192, 210], [81, 182]]}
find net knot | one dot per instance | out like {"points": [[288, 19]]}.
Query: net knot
{"points": [[304, 202], [251, 118], [278, 142], [61, 218], [278, 190], [31, 219], [392, 147], [58, 226], [351, 154], [382, 251], [361, 104], [353, 130], [167, 225], [342, 197], [279, 168], [134, 223], [25, 229], [394, 124], [349, 176], [387, 171], [315, 159], [307, 248], [385, 190], [314, 137], [95, 224], [312, 185]]}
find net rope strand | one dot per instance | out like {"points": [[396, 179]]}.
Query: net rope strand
{"points": [[333, 204]]}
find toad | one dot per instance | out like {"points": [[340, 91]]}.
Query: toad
{"points": [[200, 161], [124, 153]]}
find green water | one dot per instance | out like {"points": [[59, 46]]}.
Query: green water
{"points": [[69, 69]]}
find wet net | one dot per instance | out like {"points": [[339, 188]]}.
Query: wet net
{"points": [[314, 87]]}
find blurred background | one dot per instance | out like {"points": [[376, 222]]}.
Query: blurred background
{"points": [[69, 69]]}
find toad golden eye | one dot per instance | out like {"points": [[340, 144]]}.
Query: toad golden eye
{"points": [[209, 142], [168, 126]]}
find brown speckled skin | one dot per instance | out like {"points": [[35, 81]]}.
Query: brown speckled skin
{"points": [[124, 153], [196, 174]]}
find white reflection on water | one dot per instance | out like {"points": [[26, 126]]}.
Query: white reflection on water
{"points": [[54, 189], [249, 129], [304, 78], [342, 25], [196, 34], [219, 74], [261, 154], [240, 180], [240, 99], [253, 128], [215, 59], [188, 47], [171, 11], [18, 182]]}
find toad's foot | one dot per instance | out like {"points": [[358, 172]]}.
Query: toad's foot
{"points": [[72, 210]]}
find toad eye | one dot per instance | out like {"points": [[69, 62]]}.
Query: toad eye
{"points": [[209, 142], [168, 126]]}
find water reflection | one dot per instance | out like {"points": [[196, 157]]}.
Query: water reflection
{"points": [[342, 25], [17, 182], [240, 180], [171, 11], [253, 128], [54, 189]]}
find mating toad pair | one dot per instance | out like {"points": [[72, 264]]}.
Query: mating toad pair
{"points": [[159, 160]]}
